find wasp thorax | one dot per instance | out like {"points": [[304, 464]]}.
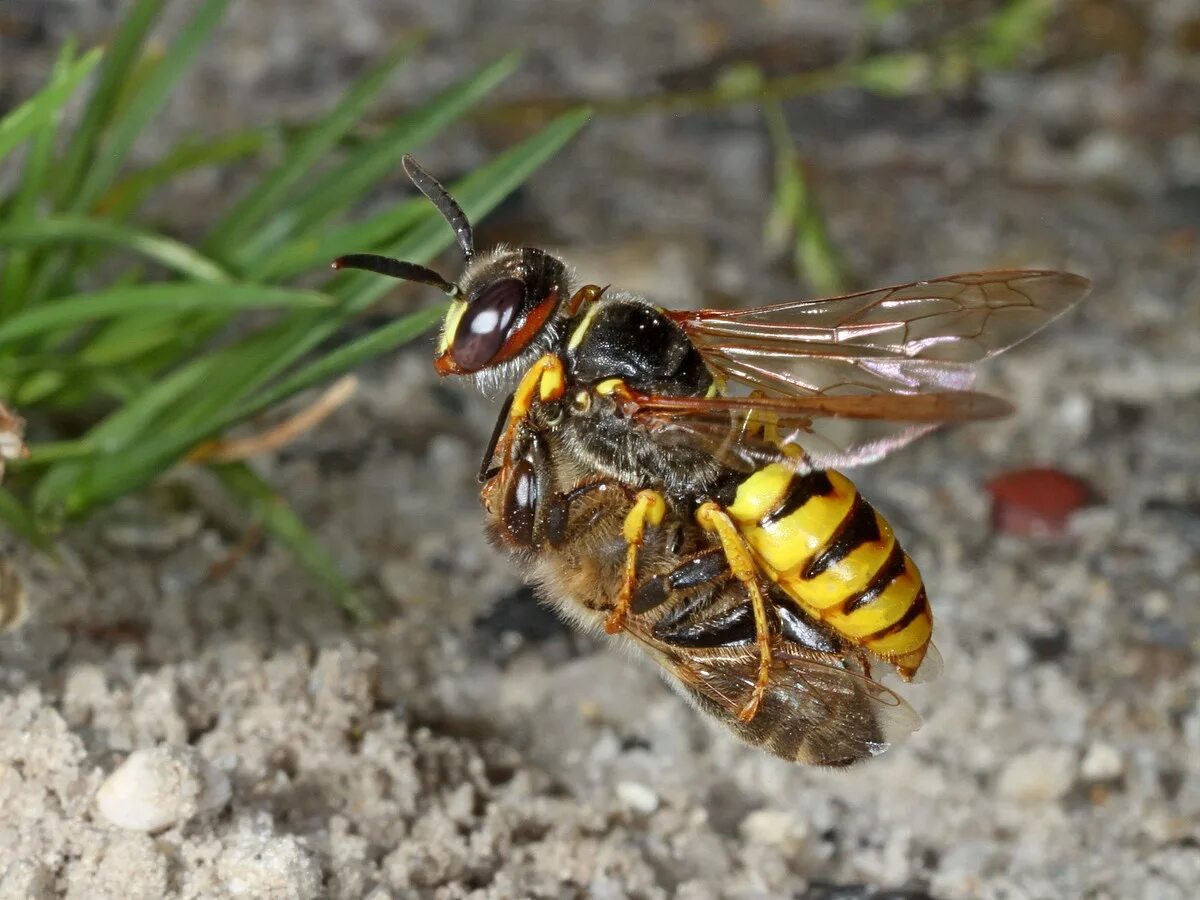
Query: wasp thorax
{"points": [[507, 299]]}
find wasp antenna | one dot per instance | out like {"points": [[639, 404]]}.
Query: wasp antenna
{"points": [[395, 268], [446, 205]]}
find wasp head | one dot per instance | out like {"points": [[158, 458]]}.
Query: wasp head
{"points": [[502, 310]]}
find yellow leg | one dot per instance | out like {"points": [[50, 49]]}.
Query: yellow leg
{"points": [[546, 380], [713, 519], [648, 508]]}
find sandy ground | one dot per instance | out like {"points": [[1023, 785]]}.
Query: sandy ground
{"points": [[469, 746]]}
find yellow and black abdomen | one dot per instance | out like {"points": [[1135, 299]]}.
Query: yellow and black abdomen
{"points": [[817, 537]]}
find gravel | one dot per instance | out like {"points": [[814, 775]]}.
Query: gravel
{"points": [[469, 745]]}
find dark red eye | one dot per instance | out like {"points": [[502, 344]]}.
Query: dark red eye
{"points": [[484, 326]]}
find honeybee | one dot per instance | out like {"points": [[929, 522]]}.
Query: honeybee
{"points": [[688, 462]]}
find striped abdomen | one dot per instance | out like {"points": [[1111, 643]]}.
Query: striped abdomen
{"points": [[832, 553]]}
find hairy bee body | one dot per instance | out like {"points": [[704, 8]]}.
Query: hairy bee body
{"points": [[702, 635], [812, 533], [663, 474]]}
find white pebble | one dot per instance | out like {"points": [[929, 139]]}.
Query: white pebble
{"points": [[1102, 762], [775, 828], [265, 866], [1039, 776], [638, 797], [160, 787]]}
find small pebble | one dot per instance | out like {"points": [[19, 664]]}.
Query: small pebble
{"points": [[265, 865], [775, 828], [1036, 502], [156, 788], [638, 797], [1039, 776], [1102, 762]]}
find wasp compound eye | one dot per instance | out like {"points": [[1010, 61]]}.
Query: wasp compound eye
{"points": [[486, 323]]}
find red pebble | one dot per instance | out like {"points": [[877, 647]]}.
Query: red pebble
{"points": [[1036, 502]]}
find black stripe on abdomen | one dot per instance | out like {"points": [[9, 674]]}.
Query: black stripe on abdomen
{"points": [[919, 606], [892, 568], [801, 489], [859, 526]]}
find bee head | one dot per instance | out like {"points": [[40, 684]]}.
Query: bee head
{"points": [[503, 306]]}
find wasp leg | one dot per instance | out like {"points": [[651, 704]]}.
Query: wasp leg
{"points": [[558, 512], [546, 380], [701, 568], [648, 508], [713, 519]]}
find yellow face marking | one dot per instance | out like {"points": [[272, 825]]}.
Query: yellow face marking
{"points": [[584, 324], [450, 324]]}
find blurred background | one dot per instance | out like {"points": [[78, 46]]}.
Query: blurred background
{"points": [[340, 688]]}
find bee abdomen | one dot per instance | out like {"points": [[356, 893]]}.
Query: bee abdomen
{"points": [[837, 558]]}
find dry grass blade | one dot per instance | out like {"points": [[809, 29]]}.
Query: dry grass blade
{"points": [[12, 438], [14, 605], [237, 449]]}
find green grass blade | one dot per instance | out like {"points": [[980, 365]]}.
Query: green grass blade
{"points": [[35, 112], [132, 339], [281, 522], [202, 398], [21, 521], [144, 106], [172, 254], [372, 162], [316, 250], [19, 264], [796, 214], [53, 451], [129, 190], [337, 362], [240, 223], [478, 193], [81, 309], [119, 62]]}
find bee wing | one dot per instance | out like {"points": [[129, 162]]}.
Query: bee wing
{"points": [[815, 711], [748, 432], [922, 338], [917, 336]]}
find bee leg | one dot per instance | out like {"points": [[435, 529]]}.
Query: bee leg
{"points": [[648, 508], [864, 661], [701, 568], [546, 380], [713, 519], [558, 513]]}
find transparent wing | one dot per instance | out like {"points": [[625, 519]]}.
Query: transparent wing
{"points": [[911, 337], [815, 710], [747, 432], [884, 347]]}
